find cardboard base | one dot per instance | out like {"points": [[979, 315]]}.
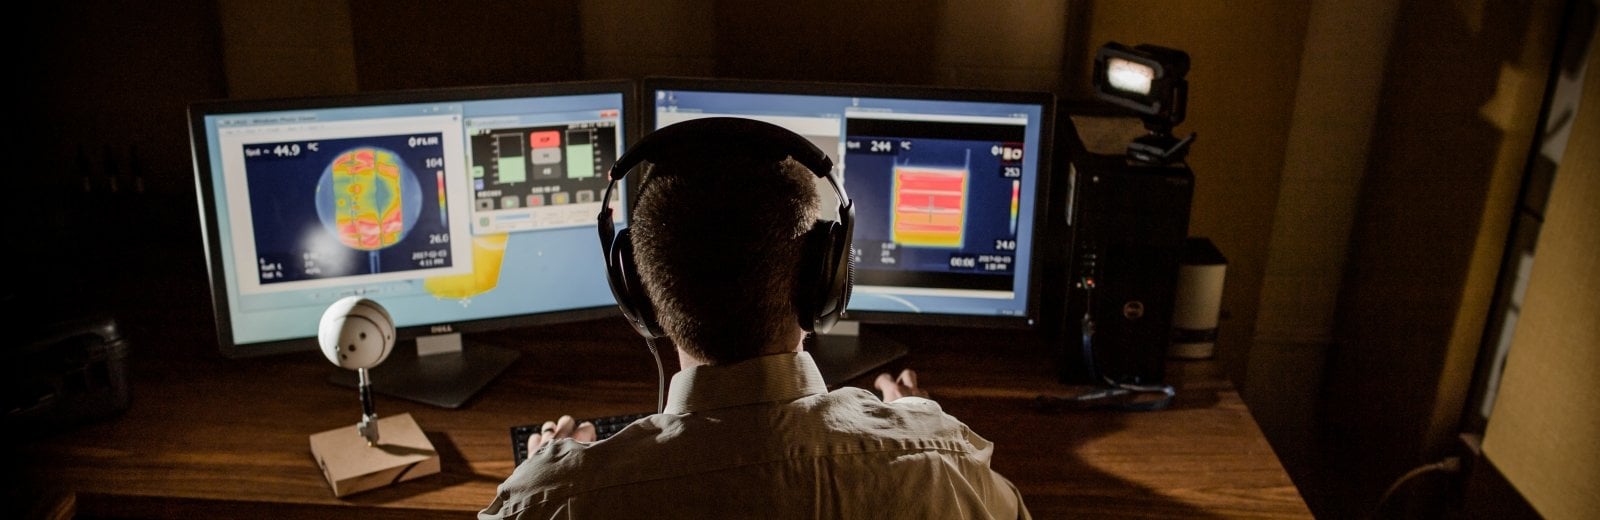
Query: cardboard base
{"points": [[351, 466]]}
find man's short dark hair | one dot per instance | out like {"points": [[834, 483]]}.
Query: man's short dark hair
{"points": [[718, 241]]}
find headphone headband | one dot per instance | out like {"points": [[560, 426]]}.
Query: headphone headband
{"points": [[755, 137]]}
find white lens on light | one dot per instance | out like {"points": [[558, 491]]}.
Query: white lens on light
{"points": [[1129, 76]]}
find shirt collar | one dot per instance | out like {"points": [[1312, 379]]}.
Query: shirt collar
{"points": [[762, 379]]}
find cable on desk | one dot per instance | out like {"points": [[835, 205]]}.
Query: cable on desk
{"points": [[1110, 394], [1134, 398], [1448, 465]]}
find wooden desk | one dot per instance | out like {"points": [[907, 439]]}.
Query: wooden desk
{"points": [[208, 437]]}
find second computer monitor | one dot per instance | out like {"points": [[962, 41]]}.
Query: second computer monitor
{"points": [[948, 186]]}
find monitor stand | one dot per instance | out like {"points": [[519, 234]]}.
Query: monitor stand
{"points": [[442, 370], [844, 354]]}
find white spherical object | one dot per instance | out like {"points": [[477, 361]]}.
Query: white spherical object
{"points": [[356, 332]]}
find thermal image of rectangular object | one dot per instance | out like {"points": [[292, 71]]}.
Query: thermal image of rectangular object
{"points": [[929, 206]]}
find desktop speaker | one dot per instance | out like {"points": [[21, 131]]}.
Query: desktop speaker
{"points": [[1128, 222]]}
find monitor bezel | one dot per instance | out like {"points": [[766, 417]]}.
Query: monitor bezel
{"points": [[201, 153], [1047, 101]]}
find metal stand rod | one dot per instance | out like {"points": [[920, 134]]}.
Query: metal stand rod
{"points": [[369, 417]]}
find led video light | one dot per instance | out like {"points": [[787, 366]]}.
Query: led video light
{"points": [[1145, 78], [1129, 76]]}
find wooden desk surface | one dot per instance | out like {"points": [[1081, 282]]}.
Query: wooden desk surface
{"points": [[207, 436]]}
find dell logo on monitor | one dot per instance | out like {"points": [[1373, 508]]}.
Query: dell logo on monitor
{"points": [[439, 329]]}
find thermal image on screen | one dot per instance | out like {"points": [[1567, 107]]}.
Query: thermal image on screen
{"points": [[347, 207], [936, 202], [369, 198], [929, 205]]}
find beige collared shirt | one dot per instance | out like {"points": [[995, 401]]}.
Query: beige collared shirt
{"points": [[764, 439]]}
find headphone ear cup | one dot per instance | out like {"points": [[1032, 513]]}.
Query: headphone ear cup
{"points": [[623, 276], [810, 287], [847, 286], [841, 276], [826, 278]]}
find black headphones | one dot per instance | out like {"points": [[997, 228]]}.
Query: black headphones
{"points": [[826, 267]]}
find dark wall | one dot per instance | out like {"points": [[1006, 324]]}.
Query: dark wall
{"points": [[832, 40], [436, 44], [103, 189], [472, 43]]}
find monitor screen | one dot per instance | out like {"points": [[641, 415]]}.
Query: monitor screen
{"points": [[948, 186], [457, 210]]}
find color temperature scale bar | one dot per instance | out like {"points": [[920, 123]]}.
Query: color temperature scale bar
{"points": [[1016, 200], [444, 210]]}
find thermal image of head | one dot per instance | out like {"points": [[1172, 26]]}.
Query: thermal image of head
{"points": [[369, 198]]}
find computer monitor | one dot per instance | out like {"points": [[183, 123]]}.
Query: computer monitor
{"points": [[459, 210], [949, 190]]}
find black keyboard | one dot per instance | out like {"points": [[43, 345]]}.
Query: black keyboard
{"points": [[604, 428]]}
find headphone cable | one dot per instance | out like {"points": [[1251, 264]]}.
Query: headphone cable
{"points": [[661, 376]]}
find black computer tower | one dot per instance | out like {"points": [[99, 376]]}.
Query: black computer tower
{"points": [[1126, 223]]}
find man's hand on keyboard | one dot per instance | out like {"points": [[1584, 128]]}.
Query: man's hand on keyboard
{"points": [[897, 387], [562, 428]]}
